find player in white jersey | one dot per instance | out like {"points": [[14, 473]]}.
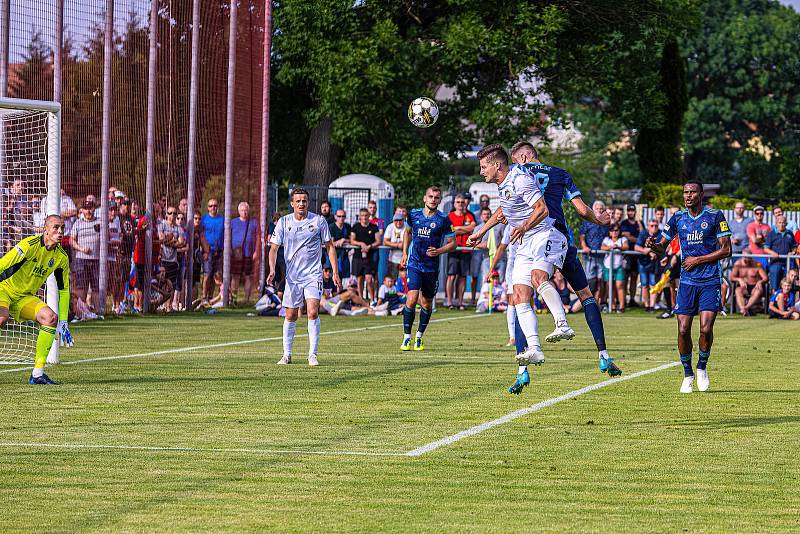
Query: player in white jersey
{"points": [[302, 235], [508, 249], [541, 250]]}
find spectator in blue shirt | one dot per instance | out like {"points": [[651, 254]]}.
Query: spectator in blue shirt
{"points": [[592, 236], [738, 225], [213, 226], [780, 241], [245, 244], [631, 227], [777, 211], [648, 264]]}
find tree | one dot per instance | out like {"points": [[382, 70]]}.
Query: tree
{"points": [[34, 80], [659, 148], [355, 67], [744, 109]]}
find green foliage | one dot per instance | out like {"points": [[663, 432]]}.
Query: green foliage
{"points": [[663, 194], [722, 202], [741, 125], [658, 147]]}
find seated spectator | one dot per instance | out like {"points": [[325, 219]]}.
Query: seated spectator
{"points": [[388, 298], [781, 305], [401, 284], [750, 279], [346, 302], [779, 242], [614, 272], [499, 296]]}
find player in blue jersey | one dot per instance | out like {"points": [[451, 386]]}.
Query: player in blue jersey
{"points": [[705, 240], [557, 185], [422, 246]]}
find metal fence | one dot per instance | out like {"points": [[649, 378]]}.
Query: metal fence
{"points": [[350, 199]]}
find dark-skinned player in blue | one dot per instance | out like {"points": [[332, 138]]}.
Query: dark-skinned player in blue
{"points": [[557, 185], [705, 240], [423, 243]]}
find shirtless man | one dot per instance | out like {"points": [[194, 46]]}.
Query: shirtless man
{"points": [[750, 277]]}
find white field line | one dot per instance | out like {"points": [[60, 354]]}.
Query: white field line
{"points": [[233, 343], [192, 449], [449, 440]]}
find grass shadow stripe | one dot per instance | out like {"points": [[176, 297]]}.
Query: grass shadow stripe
{"points": [[477, 429]]}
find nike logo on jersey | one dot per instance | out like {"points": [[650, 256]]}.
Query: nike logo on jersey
{"points": [[695, 237], [424, 231]]}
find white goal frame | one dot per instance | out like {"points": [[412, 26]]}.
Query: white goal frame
{"points": [[53, 198]]}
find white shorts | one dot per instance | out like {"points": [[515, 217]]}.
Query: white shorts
{"points": [[298, 292], [543, 251]]}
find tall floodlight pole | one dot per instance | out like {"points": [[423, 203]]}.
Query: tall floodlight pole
{"points": [[59, 51], [105, 163], [5, 28], [226, 261], [192, 155], [262, 222], [152, 80]]}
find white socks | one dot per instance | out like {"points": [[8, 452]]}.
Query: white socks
{"points": [[604, 354], [511, 316], [313, 336], [288, 336], [553, 301], [529, 324]]}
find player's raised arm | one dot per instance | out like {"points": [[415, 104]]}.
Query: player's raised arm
{"points": [[588, 214], [540, 213], [493, 221]]}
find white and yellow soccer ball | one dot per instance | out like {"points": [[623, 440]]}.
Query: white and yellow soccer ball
{"points": [[423, 112]]}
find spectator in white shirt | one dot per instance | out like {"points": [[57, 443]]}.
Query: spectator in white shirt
{"points": [[393, 238], [613, 269]]}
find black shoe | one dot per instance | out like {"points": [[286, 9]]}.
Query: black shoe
{"points": [[41, 380]]}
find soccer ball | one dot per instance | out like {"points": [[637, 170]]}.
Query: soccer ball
{"points": [[423, 112]]}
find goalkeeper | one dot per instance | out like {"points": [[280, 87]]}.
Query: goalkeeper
{"points": [[23, 271]]}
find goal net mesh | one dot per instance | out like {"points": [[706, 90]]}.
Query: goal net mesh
{"points": [[23, 185]]}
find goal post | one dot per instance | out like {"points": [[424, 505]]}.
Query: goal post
{"points": [[30, 187]]}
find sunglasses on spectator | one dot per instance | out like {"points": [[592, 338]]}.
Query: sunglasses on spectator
{"points": [[171, 212], [212, 205], [340, 216]]}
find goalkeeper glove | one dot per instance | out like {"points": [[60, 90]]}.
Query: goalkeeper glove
{"points": [[63, 332]]}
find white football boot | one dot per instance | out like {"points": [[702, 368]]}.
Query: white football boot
{"points": [[532, 356], [702, 380], [686, 387], [312, 360], [286, 360], [562, 331]]}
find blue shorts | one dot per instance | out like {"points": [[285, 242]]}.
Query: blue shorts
{"points": [[647, 277], [427, 283], [694, 299], [573, 270]]}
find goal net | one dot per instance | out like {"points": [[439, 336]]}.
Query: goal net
{"points": [[30, 189]]}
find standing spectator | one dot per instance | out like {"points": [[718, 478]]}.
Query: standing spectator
{"points": [[183, 208], [479, 268], [648, 264], [372, 206], [757, 232], [140, 259], [483, 202], [750, 279], [613, 271], [402, 210], [617, 216], [738, 225], [591, 236], [779, 241], [245, 243], [393, 238], [365, 235], [631, 227], [458, 262], [115, 273], [198, 246], [777, 211], [85, 235], [340, 235], [177, 301], [213, 226], [325, 212], [659, 217], [171, 236], [127, 226]]}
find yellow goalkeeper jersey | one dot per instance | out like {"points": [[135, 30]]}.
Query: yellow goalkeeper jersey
{"points": [[25, 268]]}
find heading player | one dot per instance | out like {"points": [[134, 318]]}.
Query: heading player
{"points": [[557, 185], [302, 235], [422, 246], [23, 270], [541, 250], [705, 240]]}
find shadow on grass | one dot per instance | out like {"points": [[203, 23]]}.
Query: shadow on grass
{"points": [[741, 422]]}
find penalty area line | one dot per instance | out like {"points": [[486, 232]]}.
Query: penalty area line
{"points": [[80, 446], [477, 429], [234, 343]]}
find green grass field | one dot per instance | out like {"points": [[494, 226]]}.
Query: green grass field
{"points": [[252, 446]]}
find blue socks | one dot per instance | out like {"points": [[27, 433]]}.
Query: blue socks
{"points": [[593, 318], [702, 359], [408, 320], [519, 338], [686, 360], [424, 319]]}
